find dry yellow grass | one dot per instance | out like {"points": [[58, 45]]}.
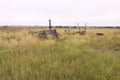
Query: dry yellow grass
{"points": [[71, 57]]}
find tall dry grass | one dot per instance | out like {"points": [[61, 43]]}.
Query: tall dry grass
{"points": [[71, 57]]}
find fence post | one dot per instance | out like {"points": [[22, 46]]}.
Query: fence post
{"points": [[49, 24]]}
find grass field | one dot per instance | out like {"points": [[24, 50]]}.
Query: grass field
{"points": [[71, 57]]}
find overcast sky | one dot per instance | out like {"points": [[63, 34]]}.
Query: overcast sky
{"points": [[61, 12]]}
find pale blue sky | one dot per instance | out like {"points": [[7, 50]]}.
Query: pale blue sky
{"points": [[61, 12]]}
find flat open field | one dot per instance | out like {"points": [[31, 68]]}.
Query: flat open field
{"points": [[70, 57]]}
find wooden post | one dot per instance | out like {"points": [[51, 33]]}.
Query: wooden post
{"points": [[68, 30], [85, 27], [78, 27], [49, 24]]}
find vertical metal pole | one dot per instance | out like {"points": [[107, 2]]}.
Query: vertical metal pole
{"points": [[49, 24]]}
